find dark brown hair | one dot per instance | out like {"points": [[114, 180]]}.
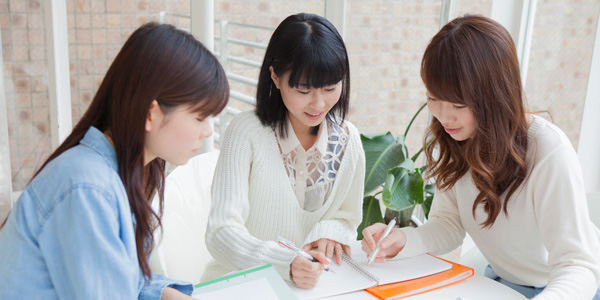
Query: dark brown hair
{"points": [[311, 49], [472, 61], [162, 63]]}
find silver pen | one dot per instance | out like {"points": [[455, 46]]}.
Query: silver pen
{"points": [[387, 231]]}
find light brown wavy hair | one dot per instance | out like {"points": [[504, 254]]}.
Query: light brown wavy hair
{"points": [[472, 61]]}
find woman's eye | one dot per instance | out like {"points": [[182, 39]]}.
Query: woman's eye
{"points": [[200, 120], [430, 99], [330, 89], [303, 92], [459, 106]]}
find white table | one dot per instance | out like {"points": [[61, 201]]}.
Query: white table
{"points": [[475, 288]]}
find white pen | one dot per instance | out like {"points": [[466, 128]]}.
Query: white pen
{"points": [[287, 244], [387, 231]]}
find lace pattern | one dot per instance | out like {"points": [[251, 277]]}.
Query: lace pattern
{"points": [[312, 173]]}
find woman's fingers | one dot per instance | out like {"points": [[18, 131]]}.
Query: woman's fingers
{"points": [[371, 236], [338, 253], [389, 246], [305, 273], [310, 246], [347, 249], [324, 260]]}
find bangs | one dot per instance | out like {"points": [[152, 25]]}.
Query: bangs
{"points": [[317, 67], [443, 74], [208, 97], [209, 94], [212, 103], [210, 106]]}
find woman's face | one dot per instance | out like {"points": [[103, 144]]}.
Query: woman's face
{"points": [[176, 136], [307, 107], [458, 120]]}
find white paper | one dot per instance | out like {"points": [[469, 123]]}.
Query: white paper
{"points": [[345, 279], [258, 289]]}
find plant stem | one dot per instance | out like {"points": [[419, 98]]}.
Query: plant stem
{"points": [[414, 158], [413, 119]]}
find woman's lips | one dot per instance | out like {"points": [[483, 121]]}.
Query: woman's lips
{"points": [[313, 116], [452, 130]]}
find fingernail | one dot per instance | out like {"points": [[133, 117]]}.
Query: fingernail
{"points": [[327, 258]]}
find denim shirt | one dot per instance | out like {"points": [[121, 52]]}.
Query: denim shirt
{"points": [[71, 234]]}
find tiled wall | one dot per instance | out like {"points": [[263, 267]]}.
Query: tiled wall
{"points": [[24, 52], [385, 40], [98, 29], [559, 66], [94, 40]]}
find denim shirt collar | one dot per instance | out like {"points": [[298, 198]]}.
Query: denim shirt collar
{"points": [[96, 140]]}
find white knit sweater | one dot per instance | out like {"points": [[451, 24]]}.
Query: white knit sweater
{"points": [[547, 238], [253, 201]]}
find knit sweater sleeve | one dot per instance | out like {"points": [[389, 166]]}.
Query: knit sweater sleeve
{"points": [[565, 228], [443, 231], [341, 224], [227, 238]]}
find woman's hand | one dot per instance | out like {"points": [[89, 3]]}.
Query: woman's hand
{"points": [[389, 247], [305, 273], [328, 247]]}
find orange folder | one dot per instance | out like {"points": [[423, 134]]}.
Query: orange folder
{"points": [[424, 284]]}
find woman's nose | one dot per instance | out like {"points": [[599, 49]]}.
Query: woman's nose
{"points": [[318, 100], [206, 131]]}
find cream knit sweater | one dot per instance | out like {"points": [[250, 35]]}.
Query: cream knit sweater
{"points": [[253, 201], [547, 238]]}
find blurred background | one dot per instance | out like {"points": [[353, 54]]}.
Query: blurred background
{"points": [[385, 41]]}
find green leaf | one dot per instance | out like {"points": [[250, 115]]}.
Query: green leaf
{"points": [[407, 164], [388, 189], [382, 152], [371, 214], [406, 189], [429, 192]]}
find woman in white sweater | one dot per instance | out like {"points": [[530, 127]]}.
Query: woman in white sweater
{"points": [[294, 167], [510, 179]]}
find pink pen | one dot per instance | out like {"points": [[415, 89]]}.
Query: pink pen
{"points": [[287, 244]]}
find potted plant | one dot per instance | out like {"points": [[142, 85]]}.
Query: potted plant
{"points": [[391, 174]]}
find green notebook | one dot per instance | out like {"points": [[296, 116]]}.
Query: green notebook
{"points": [[260, 283]]}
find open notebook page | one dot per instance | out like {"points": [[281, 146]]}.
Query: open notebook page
{"points": [[344, 279], [339, 280], [400, 269]]}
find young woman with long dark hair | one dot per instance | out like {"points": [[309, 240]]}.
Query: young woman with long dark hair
{"points": [[294, 167], [83, 227], [510, 179]]}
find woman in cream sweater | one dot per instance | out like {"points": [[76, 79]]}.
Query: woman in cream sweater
{"points": [[294, 167]]}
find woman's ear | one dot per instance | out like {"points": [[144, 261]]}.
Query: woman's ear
{"points": [[153, 116], [274, 77]]}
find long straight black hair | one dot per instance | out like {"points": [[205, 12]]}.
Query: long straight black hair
{"points": [[157, 62], [311, 49]]}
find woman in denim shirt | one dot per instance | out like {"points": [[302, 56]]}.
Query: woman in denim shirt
{"points": [[83, 227]]}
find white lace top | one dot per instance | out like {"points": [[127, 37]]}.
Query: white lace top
{"points": [[312, 173]]}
